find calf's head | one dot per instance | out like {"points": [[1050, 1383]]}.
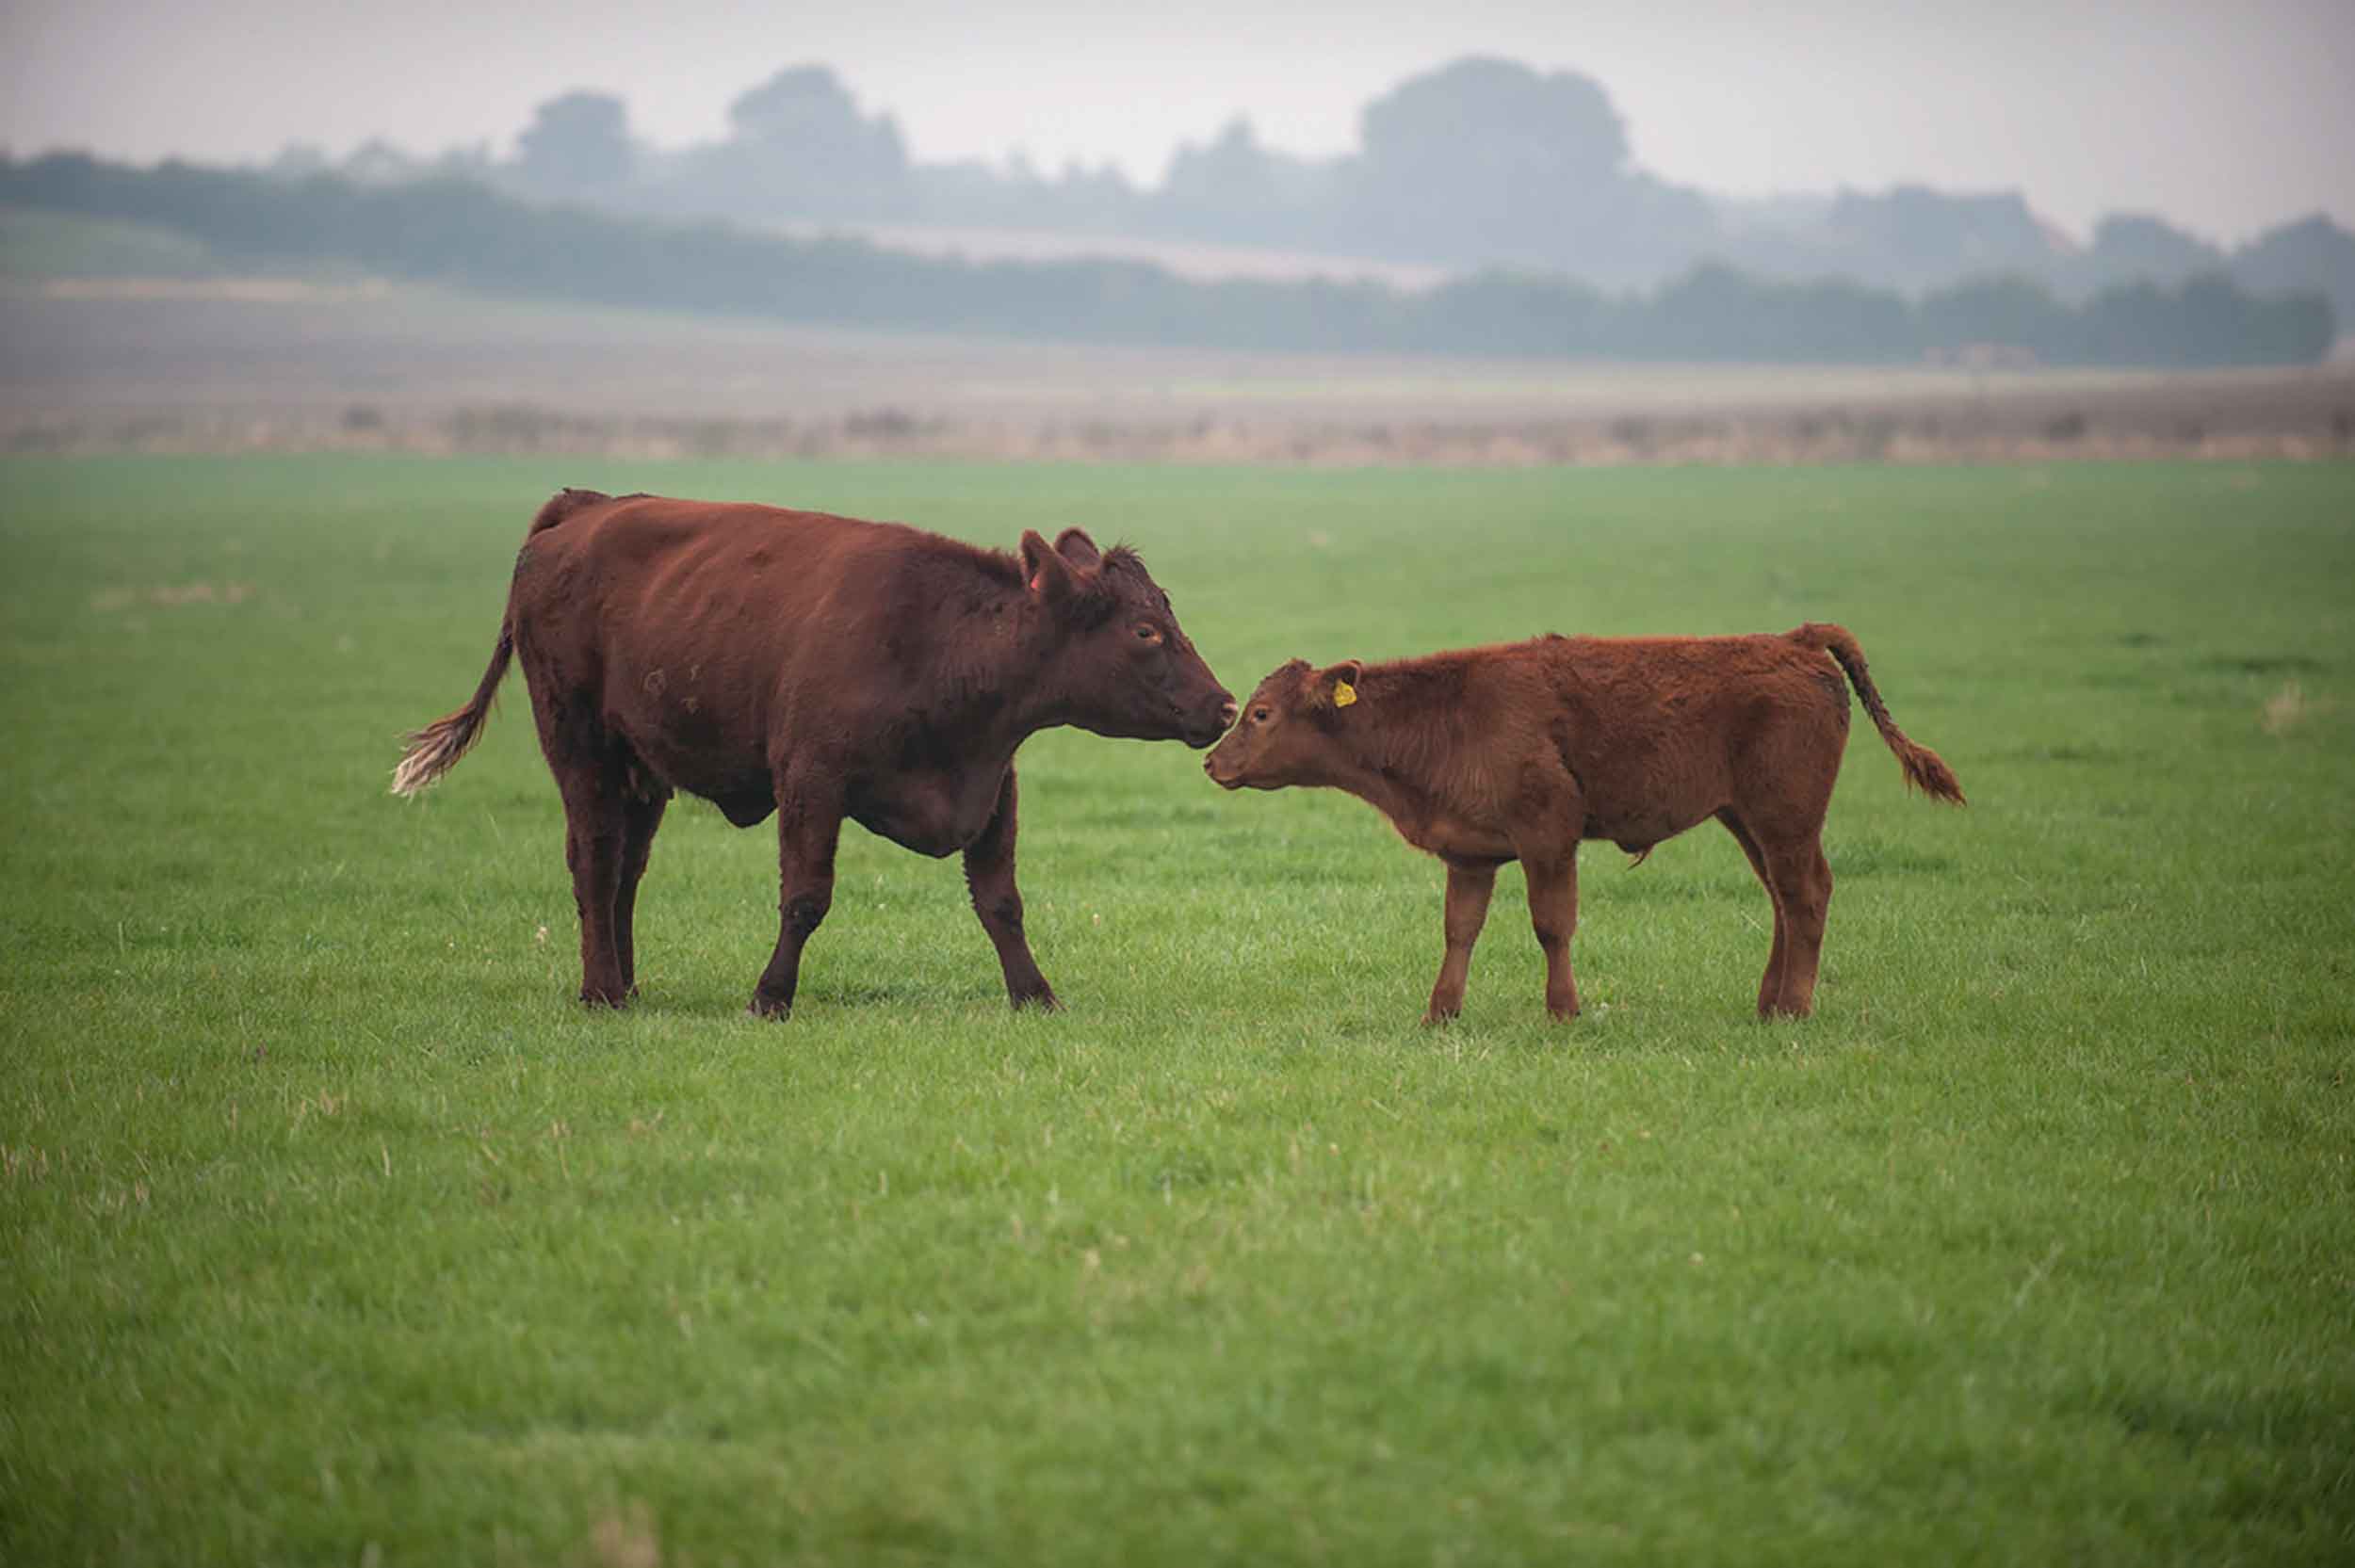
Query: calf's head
{"points": [[1123, 665], [1290, 732]]}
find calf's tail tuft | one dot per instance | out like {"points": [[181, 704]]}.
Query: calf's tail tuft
{"points": [[1924, 770]]}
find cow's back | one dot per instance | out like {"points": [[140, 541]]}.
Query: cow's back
{"points": [[685, 625]]}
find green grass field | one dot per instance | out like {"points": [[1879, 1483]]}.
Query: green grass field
{"points": [[332, 1229]]}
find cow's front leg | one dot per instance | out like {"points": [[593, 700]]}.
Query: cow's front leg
{"points": [[990, 875], [1553, 915], [1468, 890], [808, 825]]}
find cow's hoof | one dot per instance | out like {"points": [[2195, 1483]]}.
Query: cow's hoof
{"points": [[1043, 999], [768, 1007], [617, 1000], [1439, 1017]]}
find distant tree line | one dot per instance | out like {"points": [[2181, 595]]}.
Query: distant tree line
{"points": [[1480, 162], [461, 232]]}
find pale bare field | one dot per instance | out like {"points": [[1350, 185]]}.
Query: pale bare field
{"points": [[276, 364], [1200, 260]]}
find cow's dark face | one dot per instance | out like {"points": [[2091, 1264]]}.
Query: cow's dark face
{"points": [[1125, 666], [1288, 731]]}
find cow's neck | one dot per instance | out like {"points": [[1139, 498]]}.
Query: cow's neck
{"points": [[989, 694]]}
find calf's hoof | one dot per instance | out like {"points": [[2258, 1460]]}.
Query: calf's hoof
{"points": [[770, 1007], [1044, 999], [1435, 1016], [592, 998]]}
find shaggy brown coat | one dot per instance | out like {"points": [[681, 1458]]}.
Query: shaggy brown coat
{"points": [[1485, 755], [820, 667]]}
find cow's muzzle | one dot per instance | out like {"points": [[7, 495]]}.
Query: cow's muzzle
{"points": [[1205, 731]]}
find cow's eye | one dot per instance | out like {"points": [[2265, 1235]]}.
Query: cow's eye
{"points": [[1259, 716], [1148, 634]]}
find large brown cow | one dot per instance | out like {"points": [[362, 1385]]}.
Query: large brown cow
{"points": [[820, 668], [1486, 755]]}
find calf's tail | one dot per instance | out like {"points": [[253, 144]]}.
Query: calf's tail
{"points": [[1925, 770], [435, 750]]}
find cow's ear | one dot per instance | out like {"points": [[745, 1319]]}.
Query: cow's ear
{"points": [[1074, 546], [1049, 575], [1338, 686]]}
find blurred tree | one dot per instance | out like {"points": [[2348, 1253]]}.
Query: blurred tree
{"points": [[1484, 156], [577, 145], [798, 147], [2005, 312], [1235, 188], [2312, 253], [2131, 246]]}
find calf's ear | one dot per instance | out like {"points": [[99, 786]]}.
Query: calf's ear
{"points": [[1049, 575], [1074, 546], [1337, 685]]}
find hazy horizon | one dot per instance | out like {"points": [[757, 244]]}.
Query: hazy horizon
{"points": [[2225, 124]]}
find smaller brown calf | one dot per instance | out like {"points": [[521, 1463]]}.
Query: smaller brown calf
{"points": [[1518, 752]]}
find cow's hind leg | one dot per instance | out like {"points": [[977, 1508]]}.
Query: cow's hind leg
{"points": [[1769, 985], [809, 823], [989, 877], [1469, 886], [641, 816], [594, 836]]}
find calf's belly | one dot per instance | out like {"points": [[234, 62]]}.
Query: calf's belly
{"points": [[1642, 827]]}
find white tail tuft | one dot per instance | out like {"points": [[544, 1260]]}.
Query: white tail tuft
{"points": [[435, 750]]}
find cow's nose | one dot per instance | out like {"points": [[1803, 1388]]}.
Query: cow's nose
{"points": [[1226, 717]]}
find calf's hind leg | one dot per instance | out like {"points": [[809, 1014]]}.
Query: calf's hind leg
{"points": [[1802, 882], [1553, 915], [1770, 985]]}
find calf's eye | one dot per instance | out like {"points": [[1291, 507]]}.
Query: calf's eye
{"points": [[1259, 716]]}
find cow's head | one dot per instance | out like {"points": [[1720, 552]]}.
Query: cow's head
{"points": [[1124, 667], [1288, 728]]}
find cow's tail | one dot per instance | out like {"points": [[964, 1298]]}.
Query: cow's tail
{"points": [[435, 749], [1925, 770]]}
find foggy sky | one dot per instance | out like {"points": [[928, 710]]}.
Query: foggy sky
{"points": [[2224, 117]]}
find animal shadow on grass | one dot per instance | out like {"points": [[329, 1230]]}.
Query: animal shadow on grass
{"points": [[2264, 664], [2270, 1424]]}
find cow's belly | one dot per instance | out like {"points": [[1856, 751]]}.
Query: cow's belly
{"points": [[733, 779], [933, 814]]}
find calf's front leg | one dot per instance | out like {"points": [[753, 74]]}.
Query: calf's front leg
{"points": [[1468, 890], [989, 877]]}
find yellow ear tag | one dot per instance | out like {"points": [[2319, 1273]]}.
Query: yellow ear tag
{"points": [[1344, 694]]}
